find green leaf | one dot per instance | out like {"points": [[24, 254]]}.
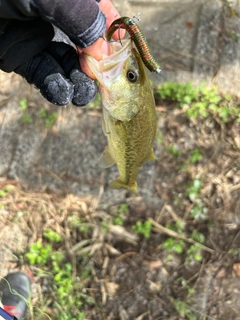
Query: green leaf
{"points": [[52, 235], [42, 113], [224, 113], [3, 194], [198, 236], [23, 104], [143, 228], [52, 117], [26, 119], [197, 257], [196, 155], [178, 247]]}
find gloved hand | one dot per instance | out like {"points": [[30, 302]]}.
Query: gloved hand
{"points": [[53, 67], [56, 72]]}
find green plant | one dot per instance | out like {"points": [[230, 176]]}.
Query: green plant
{"points": [[69, 296], [96, 102], [182, 93], [234, 252], [118, 220], [227, 4], [105, 226], [123, 209], [49, 118], [184, 310], [179, 246], [23, 104], [185, 284], [42, 113], [233, 35], [197, 236], [196, 155], [8, 188], [177, 226], [74, 220], [39, 253], [200, 101], [198, 211], [193, 190], [143, 228], [174, 245], [52, 236], [173, 150], [5, 191], [159, 137], [194, 253], [26, 118]]}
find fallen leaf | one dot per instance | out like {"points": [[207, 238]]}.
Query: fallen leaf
{"points": [[112, 288], [236, 270]]}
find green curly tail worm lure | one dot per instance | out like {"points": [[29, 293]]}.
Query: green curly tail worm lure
{"points": [[138, 38]]}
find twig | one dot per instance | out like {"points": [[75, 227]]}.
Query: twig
{"points": [[174, 215], [171, 233]]}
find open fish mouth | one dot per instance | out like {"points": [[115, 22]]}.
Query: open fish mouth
{"points": [[118, 93], [111, 63]]}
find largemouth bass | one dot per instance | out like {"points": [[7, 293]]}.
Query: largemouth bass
{"points": [[129, 117]]}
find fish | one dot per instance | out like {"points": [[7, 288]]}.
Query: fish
{"points": [[128, 113]]}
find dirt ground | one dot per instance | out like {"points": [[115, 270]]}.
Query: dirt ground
{"points": [[133, 276]]}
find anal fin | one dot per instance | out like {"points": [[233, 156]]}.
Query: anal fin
{"points": [[106, 160], [151, 156]]}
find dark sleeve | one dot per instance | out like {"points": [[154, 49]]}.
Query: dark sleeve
{"points": [[21, 40], [26, 26], [81, 20]]}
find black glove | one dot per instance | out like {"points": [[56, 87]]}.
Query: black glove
{"points": [[56, 72]]}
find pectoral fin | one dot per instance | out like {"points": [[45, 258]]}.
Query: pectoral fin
{"points": [[104, 127], [106, 159]]}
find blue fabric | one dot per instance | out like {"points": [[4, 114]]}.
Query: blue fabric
{"points": [[6, 315]]}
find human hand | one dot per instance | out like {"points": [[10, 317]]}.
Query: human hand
{"points": [[56, 72], [54, 67], [100, 47]]}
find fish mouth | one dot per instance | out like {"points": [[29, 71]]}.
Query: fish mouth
{"points": [[118, 53], [110, 72]]}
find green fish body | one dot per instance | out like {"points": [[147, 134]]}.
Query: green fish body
{"points": [[129, 117]]}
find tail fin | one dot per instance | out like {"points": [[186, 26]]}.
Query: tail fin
{"points": [[119, 184]]}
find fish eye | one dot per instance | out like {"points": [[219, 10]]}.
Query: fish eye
{"points": [[132, 76]]}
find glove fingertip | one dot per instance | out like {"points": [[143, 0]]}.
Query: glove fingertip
{"points": [[57, 89], [85, 88]]}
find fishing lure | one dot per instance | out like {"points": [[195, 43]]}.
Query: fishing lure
{"points": [[138, 38]]}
